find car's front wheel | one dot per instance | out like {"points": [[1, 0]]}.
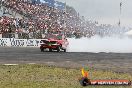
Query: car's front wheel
{"points": [[42, 49], [58, 49]]}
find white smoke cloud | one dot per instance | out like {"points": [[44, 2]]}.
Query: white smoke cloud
{"points": [[97, 44]]}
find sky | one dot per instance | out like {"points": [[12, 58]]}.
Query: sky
{"points": [[104, 11]]}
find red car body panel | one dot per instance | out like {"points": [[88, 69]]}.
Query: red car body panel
{"points": [[54, 44]]}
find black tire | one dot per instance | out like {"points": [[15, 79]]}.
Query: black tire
{"points": [[50, 50], [58, 49], [85, 81], [42, 49], [64, 50]]}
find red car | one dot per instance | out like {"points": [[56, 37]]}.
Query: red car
{"points": [[54, 44]]}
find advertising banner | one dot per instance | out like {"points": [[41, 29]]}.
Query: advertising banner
{"points": [[12, 42]]}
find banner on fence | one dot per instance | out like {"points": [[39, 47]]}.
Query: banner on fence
{"points": [[4, 42], [12, 42]]}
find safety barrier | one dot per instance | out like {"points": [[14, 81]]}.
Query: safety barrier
{"points": [[12, 42]]}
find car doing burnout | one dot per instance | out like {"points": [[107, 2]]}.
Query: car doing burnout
{"points": [[54, 44]]}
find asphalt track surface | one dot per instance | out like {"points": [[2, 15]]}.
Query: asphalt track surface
{"points": [[119, 62]]}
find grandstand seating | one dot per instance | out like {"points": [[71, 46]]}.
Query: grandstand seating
{"points": [[32, 20]]}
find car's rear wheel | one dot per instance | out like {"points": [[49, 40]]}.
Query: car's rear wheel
{"points": [[42, 49], [50, 50], [58, 49]]}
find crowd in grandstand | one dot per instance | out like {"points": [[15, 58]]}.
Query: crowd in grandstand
{"points": [[39, 18]]}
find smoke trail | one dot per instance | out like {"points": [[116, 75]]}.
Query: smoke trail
{"points": [[97, 44]]}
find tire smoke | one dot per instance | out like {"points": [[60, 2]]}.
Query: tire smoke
{"points": [[97, 44]]}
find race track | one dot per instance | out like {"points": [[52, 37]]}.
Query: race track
{"points": [[120, 62]]}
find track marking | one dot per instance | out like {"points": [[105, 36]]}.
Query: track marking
{"points": [[68, 61], [50, 62], [17, 64], [31, 63], [10, 64]]}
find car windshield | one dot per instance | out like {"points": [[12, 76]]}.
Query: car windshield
{"points": [[54, 36]]}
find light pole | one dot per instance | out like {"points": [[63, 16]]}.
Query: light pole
{"points": [[120, 13]]}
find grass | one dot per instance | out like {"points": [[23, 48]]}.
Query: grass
{"points": [[42, 76]]}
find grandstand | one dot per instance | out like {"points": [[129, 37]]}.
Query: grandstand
{"points": [[34, 19]]}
